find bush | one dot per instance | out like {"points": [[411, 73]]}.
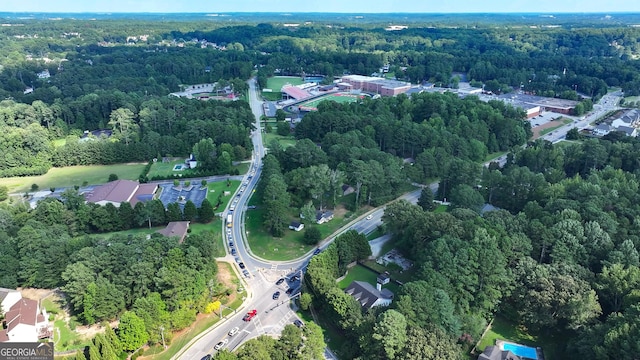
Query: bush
{"points": [[113, 177], [4, 193], [312, 235], [34, 187]]}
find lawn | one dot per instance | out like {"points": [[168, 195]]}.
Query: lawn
{"points": [[73, 175], [276, 83], [64, 338], [219, 187], [441, 209], [290, 246], [375, 234], [361, 273], [505, 329], [339, 98], [565, 121], [494, 155], [285, 141]]}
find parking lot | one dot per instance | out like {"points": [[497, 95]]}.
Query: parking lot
{"points": [[170, 194]]}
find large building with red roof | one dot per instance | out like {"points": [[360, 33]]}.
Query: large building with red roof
{"points": [[119, 191]]}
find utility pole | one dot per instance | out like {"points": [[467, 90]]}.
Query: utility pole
{"points": [[162, 335]]}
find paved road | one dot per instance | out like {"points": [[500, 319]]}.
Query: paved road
{"points": [[606, 104], [260, 279]]}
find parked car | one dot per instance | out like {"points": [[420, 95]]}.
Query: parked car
{"points": [[245, 272], [276, 295], [233, 331], [250, 315], [280, 281], [241, 264], [294, 278], [230, 243], [233, 252], [289, 291], [206, 357], [298, 323], [221, 344], [237, 259]]}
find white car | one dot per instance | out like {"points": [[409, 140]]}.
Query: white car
{"points": [[233, 331], [221, 344], [369, 217]]}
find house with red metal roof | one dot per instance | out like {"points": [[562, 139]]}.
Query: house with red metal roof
{"points": [[119, 191]]}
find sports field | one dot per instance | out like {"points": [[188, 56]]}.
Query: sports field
{"points": [[276, 83], [312, 105]]}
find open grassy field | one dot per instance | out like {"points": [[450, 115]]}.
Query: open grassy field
{"points": [[276, 83], [219, 187], [290, 246], [337, 97], [73, 175], [285, 141]]}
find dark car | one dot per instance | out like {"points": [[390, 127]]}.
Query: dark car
{"points": [[289, 291], [241, 264], [233, 252], [206, 357], [276, 295], [317, 251], [280, 281], [294, 278], [298, 323], [230, 243]]}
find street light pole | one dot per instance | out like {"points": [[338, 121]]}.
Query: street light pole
{"points": [[162, 335]]}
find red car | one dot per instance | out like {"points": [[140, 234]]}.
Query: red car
{"points": [[250, 315]]}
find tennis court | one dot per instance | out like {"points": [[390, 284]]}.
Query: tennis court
{"points": [[312, 105]]}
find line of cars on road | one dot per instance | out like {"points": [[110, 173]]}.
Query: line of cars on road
{"points": [[222, 343]]}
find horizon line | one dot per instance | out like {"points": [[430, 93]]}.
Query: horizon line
{"points": [[322, 12]]}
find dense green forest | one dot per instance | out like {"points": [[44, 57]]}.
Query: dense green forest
{"points": [[560, 257], [99, 68], [562, 261]]}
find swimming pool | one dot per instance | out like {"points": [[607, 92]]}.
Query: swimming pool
{"points": [[524, 352], [178, 167]]}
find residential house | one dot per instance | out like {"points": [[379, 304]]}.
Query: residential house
{"points": [[629, 118], [369, 296], [323, 216], [601, 130], [296, 226], [347, 189], [25, 322], [44, 74], [628, 130], [495, 353], [119, 191], [487, 208], [176, 228], [8, 297]]}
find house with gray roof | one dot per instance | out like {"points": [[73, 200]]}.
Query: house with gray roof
{"points": [[369, 296], [176, 228], [495, 353]]}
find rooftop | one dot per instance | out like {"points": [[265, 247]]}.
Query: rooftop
{"points": [[175, 228], [366, 294]]}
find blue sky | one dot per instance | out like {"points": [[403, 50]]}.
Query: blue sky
{"points": [[345, 6]]}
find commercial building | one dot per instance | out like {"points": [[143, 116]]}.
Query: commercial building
{"points": [[376, 85]]}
